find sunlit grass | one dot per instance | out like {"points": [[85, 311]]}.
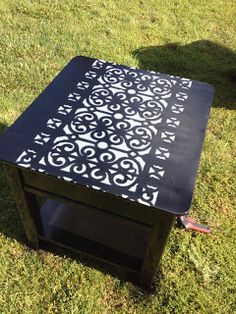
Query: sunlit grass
{"points": [[196, 39]]}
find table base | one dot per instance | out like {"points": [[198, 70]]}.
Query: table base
{"points": [[135, 247]]}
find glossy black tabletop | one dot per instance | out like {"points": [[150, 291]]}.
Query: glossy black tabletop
{"points": [[132, 133]]}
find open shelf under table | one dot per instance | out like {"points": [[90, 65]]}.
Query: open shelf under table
{"points": [[94, 232]]}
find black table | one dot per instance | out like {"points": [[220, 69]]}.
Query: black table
{"points": [[115, 151]]}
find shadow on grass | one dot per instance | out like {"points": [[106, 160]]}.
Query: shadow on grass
{"points": [[202, 60]]}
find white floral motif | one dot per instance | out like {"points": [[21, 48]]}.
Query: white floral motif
{"points": [[26, 157], [105, 138], [168, 137], [42, 138], [54, 123]]}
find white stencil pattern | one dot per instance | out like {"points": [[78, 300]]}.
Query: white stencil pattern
{"points": [[103, 137]]}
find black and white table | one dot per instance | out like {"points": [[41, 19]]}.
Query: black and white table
{"points": [[115, 151]]}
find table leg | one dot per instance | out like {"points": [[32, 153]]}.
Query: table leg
{"points": [[26, 202], [155, 248]]}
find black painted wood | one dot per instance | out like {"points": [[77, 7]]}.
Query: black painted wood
{"points": [[157, 241], [125, 236], [134, 134], [112, 142], [92, 231], [50, 187], [26, 202], [129, 272]]}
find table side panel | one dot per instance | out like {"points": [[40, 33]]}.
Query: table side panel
{"points": [[88, 196]]}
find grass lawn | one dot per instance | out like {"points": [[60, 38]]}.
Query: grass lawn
{"points": [[191, 38]]}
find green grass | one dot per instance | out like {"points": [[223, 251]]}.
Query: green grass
{"points": [[196, 39]]}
